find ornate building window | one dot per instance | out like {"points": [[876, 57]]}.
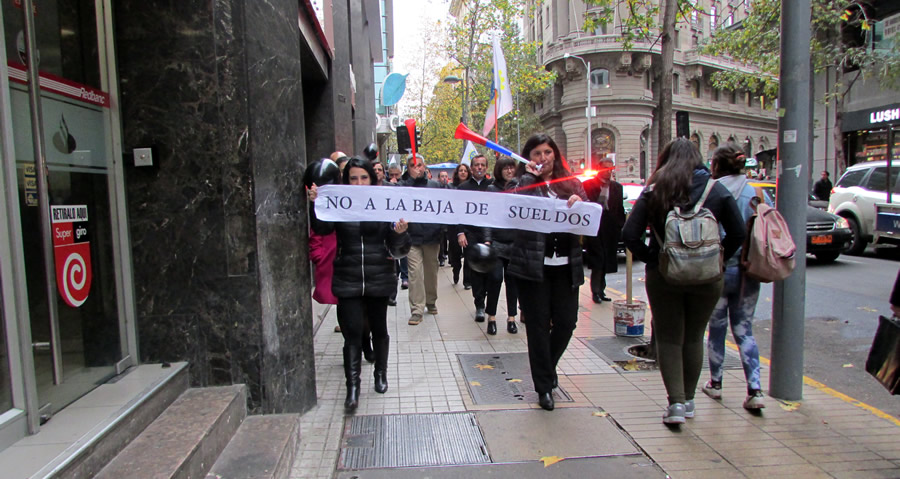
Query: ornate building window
{"points": [[599, 77], [695, 139], [603, 141], [713, 144]]}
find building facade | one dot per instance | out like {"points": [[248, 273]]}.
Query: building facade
{"points": [[624, 88], [151, 190]]}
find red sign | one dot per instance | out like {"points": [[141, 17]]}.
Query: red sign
{"points": [[59, 85], [72, 253]]}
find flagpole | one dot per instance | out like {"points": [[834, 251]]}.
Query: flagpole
{"points": [[496, 125]]}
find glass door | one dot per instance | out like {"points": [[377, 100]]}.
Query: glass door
{"points": [[66, 216]]}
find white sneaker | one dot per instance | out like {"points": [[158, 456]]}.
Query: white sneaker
{"points": [[674, 414], [755, 401], [689, 409], [713, 392]]}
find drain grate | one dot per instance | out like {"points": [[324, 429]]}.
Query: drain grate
{"points": [[615, 349], [408, 440], [502, 378]]}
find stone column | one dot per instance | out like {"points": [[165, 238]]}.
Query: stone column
{"points": [[218, 225]]}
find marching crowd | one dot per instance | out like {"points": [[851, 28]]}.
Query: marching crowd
{"points": [[358, 264]]}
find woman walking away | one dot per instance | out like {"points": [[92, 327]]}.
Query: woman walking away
{"points": [[363, 280], [548, 267], [455, 253], [680, 312], [738, 302], [502, 239]]}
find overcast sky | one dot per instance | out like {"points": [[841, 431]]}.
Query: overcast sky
{"points": [[409, 15]]}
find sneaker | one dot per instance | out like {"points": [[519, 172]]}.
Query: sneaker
{"points": [[415, 319], [755, 401], [674, 414], [431, 308], [712, 390], [689, 409]]}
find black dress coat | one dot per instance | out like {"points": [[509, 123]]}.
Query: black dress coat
{"points": [[602, 249]]}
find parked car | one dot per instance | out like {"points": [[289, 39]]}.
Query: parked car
{"points": [[854, 197], [827, 235]]}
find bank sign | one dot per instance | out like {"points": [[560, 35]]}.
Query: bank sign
{"points": [[873, 118], [72, 252]]}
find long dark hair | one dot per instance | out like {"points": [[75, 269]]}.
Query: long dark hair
{"points": [[456, 181], [562, 188], [728, 159], [674, 175], [357, 162]]}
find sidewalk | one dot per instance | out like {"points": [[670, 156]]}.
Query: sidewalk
{"points": [[611, 427]]}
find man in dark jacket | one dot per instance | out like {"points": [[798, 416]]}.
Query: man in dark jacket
{"points": [[822, 188], [422, 258], [602, 249], [474, 234]]}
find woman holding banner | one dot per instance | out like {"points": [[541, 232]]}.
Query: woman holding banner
{"points": [[548, 267], [363, 280], [460, 175], [502, 239]]}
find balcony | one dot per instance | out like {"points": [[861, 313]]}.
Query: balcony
{"points": [[582, 43]]}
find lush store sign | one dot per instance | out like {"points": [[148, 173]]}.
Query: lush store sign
{"points": [[883, 116], [872, 118]]}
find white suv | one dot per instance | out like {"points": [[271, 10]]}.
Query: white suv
{"points": [[855, 194]]}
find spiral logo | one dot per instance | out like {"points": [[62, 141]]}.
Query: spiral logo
{"points": [[74, 276]]}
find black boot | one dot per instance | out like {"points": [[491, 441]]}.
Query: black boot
{"points": [[352, 366], [368, 354], [382, 347]]}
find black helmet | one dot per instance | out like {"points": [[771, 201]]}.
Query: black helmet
{"points": [[371, 151], [481, 258], [322, 172]]}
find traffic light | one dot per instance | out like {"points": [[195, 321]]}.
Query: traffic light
{"points": [[418, 138], [403, 145], [582, 165]]}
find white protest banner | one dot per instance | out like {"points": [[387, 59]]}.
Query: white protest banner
{"points": [[433, 205]]}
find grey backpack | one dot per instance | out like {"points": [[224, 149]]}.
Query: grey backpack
{"points": [[692, 250]]}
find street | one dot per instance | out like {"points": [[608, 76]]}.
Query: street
{"points": [[843, 302]]}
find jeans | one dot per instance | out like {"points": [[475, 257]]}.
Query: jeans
{"points": [[680, 315], [737, 306]]}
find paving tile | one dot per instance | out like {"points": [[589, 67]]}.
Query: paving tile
{"points": [[793, 470]]}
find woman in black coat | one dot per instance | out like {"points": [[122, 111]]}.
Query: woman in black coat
{"points": [[454, 252], [502, 239], [548, 267], [363, 280]]}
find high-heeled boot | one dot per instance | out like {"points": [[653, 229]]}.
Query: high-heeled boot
{"points": [[382, 347], [367, 351], [352, 367]]}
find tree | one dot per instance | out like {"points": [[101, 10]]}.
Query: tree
{"points": [[639, 21], [841, 45], [468, 44]]}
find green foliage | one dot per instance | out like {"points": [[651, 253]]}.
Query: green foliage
{"points": [[840, 30], [635, 20], [469, 45]]}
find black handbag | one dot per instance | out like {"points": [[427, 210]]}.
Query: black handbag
{"points": [[884, 358]]}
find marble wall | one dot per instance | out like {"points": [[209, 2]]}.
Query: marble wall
{"points": [[218, 229]]}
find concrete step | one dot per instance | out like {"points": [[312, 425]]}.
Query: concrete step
{"points": [[186, 438], [262, 448], [159, 386]]}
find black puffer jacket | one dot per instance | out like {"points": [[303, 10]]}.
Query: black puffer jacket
{"points": [[526, 255], [366, 251], [424, 233], [501, 239]]}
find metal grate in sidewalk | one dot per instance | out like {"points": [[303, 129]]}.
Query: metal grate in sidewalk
{"points": [[502, 378], [407, 440], [614, 349]]}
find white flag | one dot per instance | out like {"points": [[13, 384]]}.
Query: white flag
{"points": [[468, 154], [504, 100]]}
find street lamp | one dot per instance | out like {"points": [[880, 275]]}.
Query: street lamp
{"points": [[453, 79], [587, 111]]}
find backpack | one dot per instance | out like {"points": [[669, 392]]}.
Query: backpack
{"points": [[768, 252], [692, 250]]}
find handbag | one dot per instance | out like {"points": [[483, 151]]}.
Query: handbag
{"points": [[884, 358]]}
